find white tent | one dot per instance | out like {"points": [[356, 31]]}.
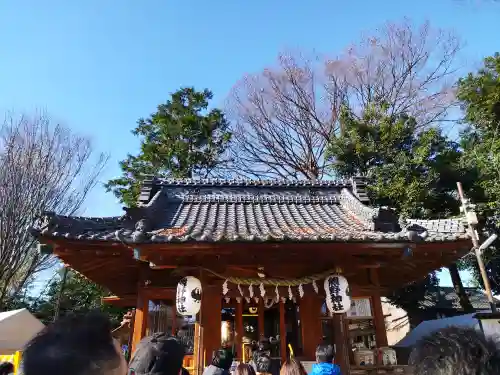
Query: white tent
{"points": [[429, 326], [17, 327]]}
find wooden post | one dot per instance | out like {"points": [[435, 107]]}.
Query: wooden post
{"points": [[341, 343], [174, 318], [471, 218], [261, 310], [239, 327], [310, 318], [377, 312], [140, 319], [282, 331], [211, 305]]}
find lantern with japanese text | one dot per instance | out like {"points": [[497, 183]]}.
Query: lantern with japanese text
{"points": [[338, 296], [188, 298]]}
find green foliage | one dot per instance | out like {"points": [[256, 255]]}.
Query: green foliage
{"points": [[479, 96], [412, 170], [80, 295], [181, 139]]}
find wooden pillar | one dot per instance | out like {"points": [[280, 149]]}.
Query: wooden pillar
{"points": [[310, 313], [239, 327], [261, 310], [174, 318], [378, 313], [341, 343], [282, 331], [211, 306], [140, 319]]}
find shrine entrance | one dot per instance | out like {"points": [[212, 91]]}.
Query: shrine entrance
{"points": [[276, 324]]}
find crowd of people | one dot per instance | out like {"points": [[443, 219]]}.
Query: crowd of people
{"points": [[83, 345]]}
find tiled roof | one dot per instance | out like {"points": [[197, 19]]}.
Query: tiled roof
{"points": [[447, 298], [245, 210]]}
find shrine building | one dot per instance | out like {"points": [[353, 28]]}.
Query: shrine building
{"points": [[261, 251]]}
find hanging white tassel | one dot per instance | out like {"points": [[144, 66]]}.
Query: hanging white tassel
{"points": [[269, 302], [283, 299], [238, 299], [277, 294], [290, 294], [250, 290], [315, 287], [262, 290], [225, 289], [240, 290], [247, 299], [227, 299], [294, 300], [256, 299], [301, 291]]}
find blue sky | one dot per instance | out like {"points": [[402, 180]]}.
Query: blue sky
{"points": [[99, 65]]}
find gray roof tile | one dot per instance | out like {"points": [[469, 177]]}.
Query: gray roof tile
{"points": [[245, 210]]}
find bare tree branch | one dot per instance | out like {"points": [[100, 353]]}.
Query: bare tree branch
{"points": [[284, 117], [42, 168], [283, 120], [410, 68]]}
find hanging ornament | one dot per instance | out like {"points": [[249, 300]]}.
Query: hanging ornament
{"points": [[227, 299], [294, 300], [225, 289], [188, 298], [238, 299], [290, 294], [256, 299], [262, 290], [301, 291], [315, 287], [268, 303], [240, 290], [247, 299], [283, 299], [277, 294], [250, 290], [338, 299]]}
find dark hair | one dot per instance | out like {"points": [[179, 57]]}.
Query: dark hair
{"points": [[6, 368], [74, 344], [456, 351], [292, 367], [159, 353], [263, 364], [223, 359], [244, 369], [324, 353]]}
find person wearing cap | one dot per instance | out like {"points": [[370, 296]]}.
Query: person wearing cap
{"points": [[159, 354], [221, 363], [75, 345]]}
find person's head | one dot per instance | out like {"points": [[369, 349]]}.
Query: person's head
{"points": [[455, 351], [76, 345], [6, 368], [263, 364], [223, 359], [244, 369], [292, 367], [324, 353], [159, 354]]}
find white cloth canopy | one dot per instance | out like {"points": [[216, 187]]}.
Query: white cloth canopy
{"points": [[429, 326], [17, 327]]}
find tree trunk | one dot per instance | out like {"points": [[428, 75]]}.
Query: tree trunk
{"points": [[459, 289]]}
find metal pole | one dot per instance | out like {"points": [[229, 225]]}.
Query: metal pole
{"points": [[475, 244]]}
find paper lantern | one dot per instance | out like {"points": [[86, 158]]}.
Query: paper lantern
{"points": [[338, 296], [188, 299]]}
